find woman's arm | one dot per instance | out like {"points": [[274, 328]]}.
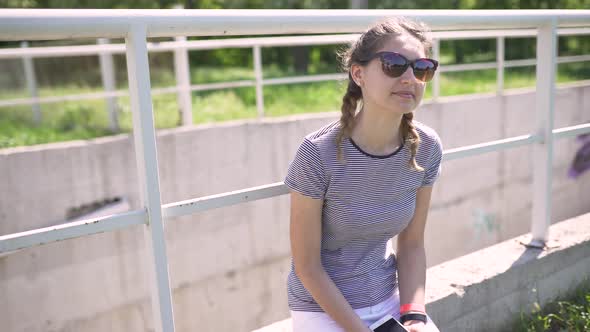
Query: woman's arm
{"points": [[306, 236], [411, 256]]}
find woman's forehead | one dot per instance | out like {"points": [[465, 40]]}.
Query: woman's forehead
{"points": [[405, 44]]}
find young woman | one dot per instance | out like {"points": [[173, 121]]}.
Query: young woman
{"points": [[358, 182]]}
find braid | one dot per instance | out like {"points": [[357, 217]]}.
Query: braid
{"points": [[349, 103], [410, 134]]}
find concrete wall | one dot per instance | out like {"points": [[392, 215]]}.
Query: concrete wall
{"points": [[469, 294], [486, 296], [234, 261]]}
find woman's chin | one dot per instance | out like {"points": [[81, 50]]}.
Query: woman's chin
{"points": [[402, 109]]}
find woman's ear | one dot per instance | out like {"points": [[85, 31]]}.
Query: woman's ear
{"points": [[356, 71]]}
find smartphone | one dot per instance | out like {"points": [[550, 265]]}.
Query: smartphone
{"points": [[387, 324]]}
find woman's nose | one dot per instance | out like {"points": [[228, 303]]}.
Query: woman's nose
{"points": [[408, 75]]}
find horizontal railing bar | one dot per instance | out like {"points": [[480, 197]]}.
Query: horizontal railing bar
{"points": [[61, 51], [285, 80], [190, 206], [16, 241], [78, 97], [467, 66], [22, 24], [56, 99], [221, 85], [571, 131], [270, 41], [487, 34], [65, 231], [251, 194], [88, 50], [508, 64], [120, 93], [520, 63], [498, 145], [573, 58], [248, 83], [572, 31], [304, 79], [164, 90]]}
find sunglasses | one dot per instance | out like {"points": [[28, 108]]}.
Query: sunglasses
{"points": [[395, 64]]}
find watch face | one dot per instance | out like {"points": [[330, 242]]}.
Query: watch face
{"points": [[391, 325]]}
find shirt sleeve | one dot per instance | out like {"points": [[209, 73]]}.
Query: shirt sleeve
{"points": [[434, 168], [306, 174]]}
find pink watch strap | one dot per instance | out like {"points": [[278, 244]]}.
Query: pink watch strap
{"points": [[417, 307]]}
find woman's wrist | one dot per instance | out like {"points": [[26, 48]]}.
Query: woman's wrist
{"points": [[411, 313], [412, 307], [413, 322], [413, 317]]}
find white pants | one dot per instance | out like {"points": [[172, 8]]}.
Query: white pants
{"points": [[306, 321]]}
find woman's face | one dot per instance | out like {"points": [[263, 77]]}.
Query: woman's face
{"points": [[392, 94]]}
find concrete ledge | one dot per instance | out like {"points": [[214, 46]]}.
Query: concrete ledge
{"points": [[485, 290]]}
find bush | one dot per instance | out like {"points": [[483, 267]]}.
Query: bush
{"points": [[571, 314]]}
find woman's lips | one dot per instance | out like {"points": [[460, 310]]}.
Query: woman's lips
{"points": [[404, 95]]}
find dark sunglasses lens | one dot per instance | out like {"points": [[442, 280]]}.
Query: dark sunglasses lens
{"points": [[394, 65], [424, 70]]}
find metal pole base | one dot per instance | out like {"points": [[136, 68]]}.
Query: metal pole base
{"points": [[529, 242]]}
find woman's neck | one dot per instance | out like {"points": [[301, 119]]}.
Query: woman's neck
{"points": [[377, 132]]}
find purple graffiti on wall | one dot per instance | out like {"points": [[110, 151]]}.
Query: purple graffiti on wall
{"points": [[581, 162]]}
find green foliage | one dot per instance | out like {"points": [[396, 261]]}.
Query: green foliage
{"points": [[90, 4], [74, 119], [17, 128], [84, 119], [84, 70], [570, 313], [303, 98], [87, 118], [223, 106], [301, 4]]}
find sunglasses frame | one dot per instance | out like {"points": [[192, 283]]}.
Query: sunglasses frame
{"points": [[409, 63]]}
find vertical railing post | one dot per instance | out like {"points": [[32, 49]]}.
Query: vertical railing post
{"points": [[107, 72], [147, 164], [436, 78], [543, 151], [32, 84], [258, 78], [182, 72], [500, 65]]}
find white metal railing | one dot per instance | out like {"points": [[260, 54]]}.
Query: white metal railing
{"points": [[136, 25], [183, 87]]}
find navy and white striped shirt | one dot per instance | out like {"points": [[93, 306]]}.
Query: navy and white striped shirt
{"points": [[367, 200]]}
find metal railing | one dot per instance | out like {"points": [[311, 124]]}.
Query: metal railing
{"points": [[183, 87], [137, 25]]}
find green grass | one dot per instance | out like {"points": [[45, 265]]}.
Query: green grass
{"points": [[212, 74], [569, 313], [87, 119]]}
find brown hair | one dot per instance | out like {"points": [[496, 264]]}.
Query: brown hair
{"points": [[366, 45]]}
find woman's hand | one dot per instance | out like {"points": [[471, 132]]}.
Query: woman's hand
{"points": [[415, 326]]}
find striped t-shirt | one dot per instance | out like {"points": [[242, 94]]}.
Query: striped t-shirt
{"points": [[367, 200]]}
